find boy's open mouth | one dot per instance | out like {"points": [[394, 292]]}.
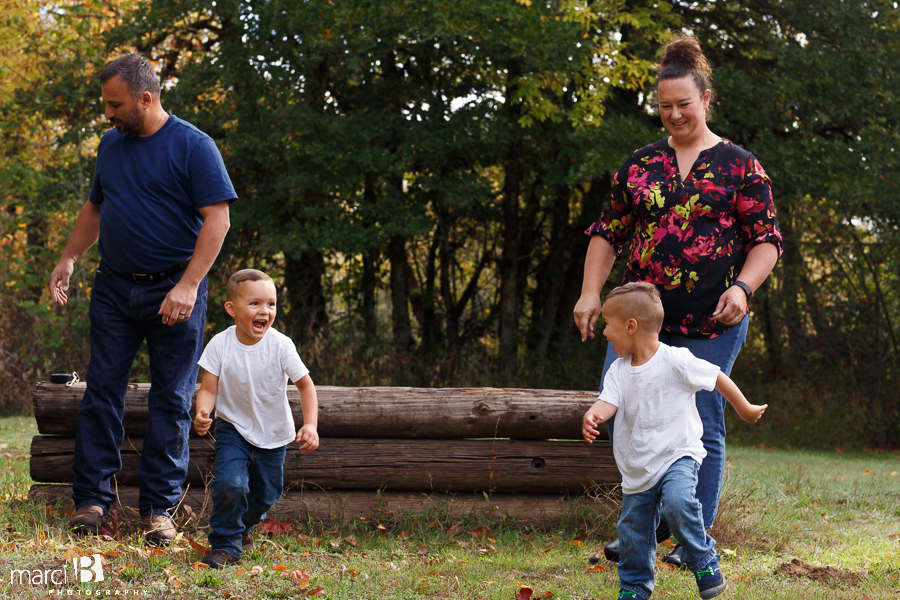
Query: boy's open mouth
{"points": [[259, 325]]}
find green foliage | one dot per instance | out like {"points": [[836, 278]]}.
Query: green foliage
{"points": [[417, 177]]}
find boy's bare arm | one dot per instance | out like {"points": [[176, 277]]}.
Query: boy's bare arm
{"points": [[595, 415], [308, 434], [748, 412], [206, 402]]}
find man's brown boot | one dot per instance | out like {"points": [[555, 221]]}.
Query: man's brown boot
{"points": [[159, 530], [87, 520]]}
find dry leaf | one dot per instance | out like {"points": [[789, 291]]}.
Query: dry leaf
{"points": [[256, 571], [403, 535], [480, 531], [455, 529], [199, 566], [273, 527], [198, 548], [524, 594], [351, 539], [317, 591]]}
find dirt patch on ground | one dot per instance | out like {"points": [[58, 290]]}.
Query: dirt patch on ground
{"points": [[798, 568]]}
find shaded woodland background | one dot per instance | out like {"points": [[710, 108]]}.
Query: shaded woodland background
{"points": [[417, 176]]}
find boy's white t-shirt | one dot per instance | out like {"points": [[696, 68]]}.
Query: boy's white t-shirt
{"points": [[252, 392], [656, 422]]}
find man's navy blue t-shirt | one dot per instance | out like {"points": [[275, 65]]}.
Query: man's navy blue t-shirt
{"points": [[150, 189]]}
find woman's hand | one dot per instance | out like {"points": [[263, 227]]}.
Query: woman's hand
{"points": [[587, 311], [732, 306]]}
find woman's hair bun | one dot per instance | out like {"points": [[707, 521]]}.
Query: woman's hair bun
{"points": [[686, 52]]}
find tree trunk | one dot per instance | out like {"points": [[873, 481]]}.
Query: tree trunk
{"points": [[399, 294], [306, 315], [513, 170]]}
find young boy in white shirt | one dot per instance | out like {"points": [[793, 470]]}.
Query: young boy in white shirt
{"points": [[656, 441], [246, 368]]}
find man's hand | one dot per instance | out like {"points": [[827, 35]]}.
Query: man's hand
{"points": [[309, 437], [178, 304], [59, 281], [202, 422]]}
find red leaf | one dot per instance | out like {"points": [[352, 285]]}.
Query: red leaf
{"points": [[273, 527], [524, 594]]}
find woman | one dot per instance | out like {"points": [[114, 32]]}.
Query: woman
{"points": [[698, 211]]}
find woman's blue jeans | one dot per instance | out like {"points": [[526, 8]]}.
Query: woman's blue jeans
{"points": [[123, 314], [722, 351], [248, 481], [672, 498]]}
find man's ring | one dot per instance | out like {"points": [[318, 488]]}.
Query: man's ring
{"points": [[181, 314]]}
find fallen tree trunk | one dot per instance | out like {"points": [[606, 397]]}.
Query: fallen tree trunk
{"points": [[385, 464], [375, 412], [527, 509]]}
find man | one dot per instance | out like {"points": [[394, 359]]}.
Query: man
{"points": [[159, 207]]}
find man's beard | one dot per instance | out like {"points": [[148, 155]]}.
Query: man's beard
{"points": [[133, 126]]}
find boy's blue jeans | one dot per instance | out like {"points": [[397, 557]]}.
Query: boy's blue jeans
{"points": [[673, 497], [247, 482], [123, 314], [722, 350]]}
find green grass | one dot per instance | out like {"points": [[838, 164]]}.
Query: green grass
{"points": [[828, 509]]}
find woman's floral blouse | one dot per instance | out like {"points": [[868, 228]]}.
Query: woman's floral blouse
{"points": [[689, 238]]}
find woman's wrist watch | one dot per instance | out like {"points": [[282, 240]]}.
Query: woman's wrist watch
{"points": [[744, 287]]}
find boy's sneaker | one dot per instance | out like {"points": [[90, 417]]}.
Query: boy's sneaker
{"points": [[219, 559], [710, 580], [626, 595]]}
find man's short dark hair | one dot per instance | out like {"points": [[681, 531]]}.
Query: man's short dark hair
{"points": [[137, 73], [240, 277]]}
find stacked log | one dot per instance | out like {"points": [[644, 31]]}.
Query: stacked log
{"points": [[409, 446]]}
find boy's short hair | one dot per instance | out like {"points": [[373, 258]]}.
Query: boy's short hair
{"points": [[242, 276], [640, 301]]}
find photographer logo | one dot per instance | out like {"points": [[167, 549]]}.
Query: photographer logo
{"points": [[86, 571]]}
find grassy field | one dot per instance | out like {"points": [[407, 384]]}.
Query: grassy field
{"points": [[793, 524]]}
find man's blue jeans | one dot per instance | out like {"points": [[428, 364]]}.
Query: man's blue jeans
{"points": [[722, 351], [122, 315], [248, 481], [672, 498]]}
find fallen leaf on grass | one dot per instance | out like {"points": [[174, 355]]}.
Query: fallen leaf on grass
{"points": [[576, 543], [728, 552], [480, 531], [524, 594], [256, 571], [581, 536], [273, 527], [403, 535], [280, 568], [199, 566], [351, 539], [382, 529], [198, 548], [455, 529], [316, 591], [597, 568], [543, 596]]}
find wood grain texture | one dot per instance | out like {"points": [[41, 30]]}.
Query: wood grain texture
{"points": [[506, 466], [376, 412], [526, 509]]}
